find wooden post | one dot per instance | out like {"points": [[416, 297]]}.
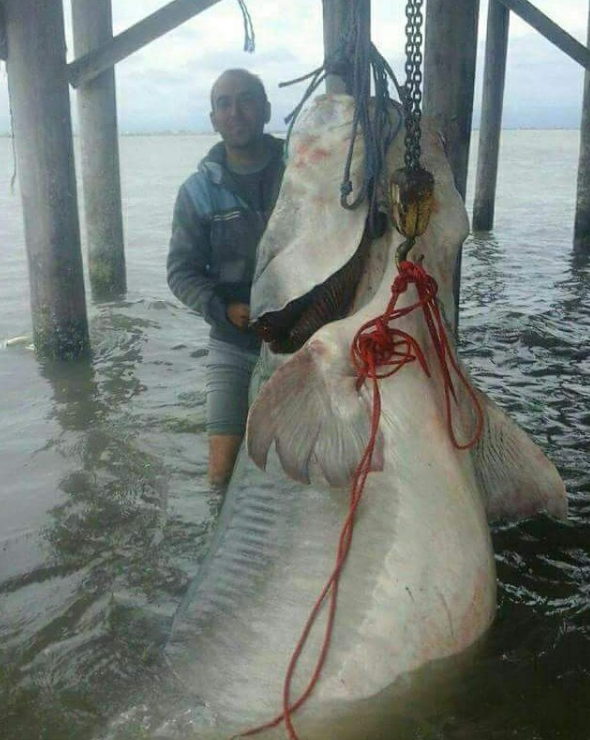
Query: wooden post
{"points": [[336, 24], [39, 96], [449, 76], [582, 223], [97, 111], [3, 44], [336, 20], [449, 80], [491, 116]]}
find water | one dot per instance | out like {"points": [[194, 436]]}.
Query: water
{"points": [[105, 510]]}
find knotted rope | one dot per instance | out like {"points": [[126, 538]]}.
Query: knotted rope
{"points": [[378, 344]]}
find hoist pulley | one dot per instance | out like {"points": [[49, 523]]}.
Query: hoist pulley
{"points": [[412, 187]]}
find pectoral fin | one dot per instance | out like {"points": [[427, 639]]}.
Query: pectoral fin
{"points": [[312, 411], [516, 478]]}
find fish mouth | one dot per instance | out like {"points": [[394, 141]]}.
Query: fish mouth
{"points": [[287, 330]]}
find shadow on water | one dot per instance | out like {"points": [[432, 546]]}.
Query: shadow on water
{"points": [[99, 604]]}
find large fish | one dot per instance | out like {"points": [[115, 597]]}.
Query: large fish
{"points": [[419, 582]]}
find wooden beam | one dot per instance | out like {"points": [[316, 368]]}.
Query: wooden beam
{"points": [[134, 38], [99, 145], [582, 222], [491, 116], [40, 104], [550, 30]]}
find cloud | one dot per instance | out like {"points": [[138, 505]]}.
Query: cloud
{"points": [[165, 86], [543, 86]]}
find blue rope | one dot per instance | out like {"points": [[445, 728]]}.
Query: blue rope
{"points": [[249, 36], [378, 130]]}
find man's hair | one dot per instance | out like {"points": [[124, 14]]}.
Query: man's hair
{"points": [[255, 79]]}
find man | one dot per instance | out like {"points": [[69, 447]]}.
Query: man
{"points": [[219, 216]]}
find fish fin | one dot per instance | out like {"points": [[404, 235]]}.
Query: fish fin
{"points": [[310, 408], [515, 476]]}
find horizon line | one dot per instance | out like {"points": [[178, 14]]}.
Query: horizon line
{"points": [[196, 132]]}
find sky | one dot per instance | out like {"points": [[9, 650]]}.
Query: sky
{"points": [[165, 86]]}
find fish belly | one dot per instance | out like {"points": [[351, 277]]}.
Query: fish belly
{"points": [[418, 585]]}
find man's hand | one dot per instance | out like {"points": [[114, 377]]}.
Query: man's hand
{"points": [[239, 314]]}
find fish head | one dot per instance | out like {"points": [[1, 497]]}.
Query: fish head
{"points": [[319, 262], [321, 274]]}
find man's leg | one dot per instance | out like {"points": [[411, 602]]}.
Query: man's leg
{"points": [[228, 378], [223, 450]]}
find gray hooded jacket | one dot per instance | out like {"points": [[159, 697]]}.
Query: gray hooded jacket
{"points": [[215, 232]]}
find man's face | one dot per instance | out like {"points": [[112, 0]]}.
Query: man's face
{"points": [[239, 110]]}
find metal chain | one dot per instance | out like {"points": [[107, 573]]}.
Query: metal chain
{"points": [[413, 87]]}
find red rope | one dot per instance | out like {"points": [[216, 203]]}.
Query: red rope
{"points": [[377, 345]]}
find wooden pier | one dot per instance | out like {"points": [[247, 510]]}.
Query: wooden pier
{"points": [[493, 93], [32, 43]]}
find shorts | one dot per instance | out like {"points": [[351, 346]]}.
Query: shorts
{"points": [[227, 377]]}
